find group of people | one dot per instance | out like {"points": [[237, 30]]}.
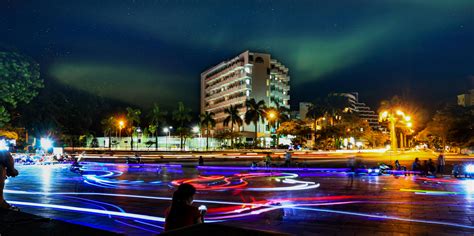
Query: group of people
{"points": [[428, 167], [267, 160], [41, 159]]}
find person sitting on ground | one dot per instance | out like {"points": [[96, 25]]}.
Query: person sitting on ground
{"points": [[397, 165], [431, 167], [416, 166], [424, 168], [254, 164], [7, 168], [400, 167], [182, 213]]}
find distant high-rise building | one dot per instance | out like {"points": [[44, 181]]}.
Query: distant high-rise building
{"points": [[303, 109], [246, 76], [466, 99], [351, 103]]}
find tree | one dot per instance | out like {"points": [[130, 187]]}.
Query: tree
{"points": [[254, 114], [275, 116], [19, 82], [452, 125], [133, 118], [207, 120], [182, 115], [233, 117], [317, 111], [109, 126], [157, 116], [296, 128]]}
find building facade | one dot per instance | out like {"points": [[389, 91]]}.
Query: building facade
{"points": [[246, 76], [466, 99], [363, 111]]}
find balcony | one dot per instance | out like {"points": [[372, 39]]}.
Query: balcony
{"points": [[231, 67], [237, 100], [237, 88], [235, 78]]}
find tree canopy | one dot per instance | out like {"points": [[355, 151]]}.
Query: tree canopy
{"points": [[19, 82]]}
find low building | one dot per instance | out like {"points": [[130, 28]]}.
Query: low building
{"points": [[466, 99]]}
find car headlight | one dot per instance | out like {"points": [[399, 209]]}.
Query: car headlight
{"points": [[469, 168]]}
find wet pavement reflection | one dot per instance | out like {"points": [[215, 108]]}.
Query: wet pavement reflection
{"points": [[132, 199]]}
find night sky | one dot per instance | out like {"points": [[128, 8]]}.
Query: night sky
{"points": [[142, 52]]}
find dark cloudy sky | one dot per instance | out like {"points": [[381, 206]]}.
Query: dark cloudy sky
{"points": [[144, 51]]}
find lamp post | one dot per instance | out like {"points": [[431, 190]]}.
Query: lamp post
{"points": [[121, 125], [167, 130], [139, 135], [394, 118], [197, 130], [271, 117]]}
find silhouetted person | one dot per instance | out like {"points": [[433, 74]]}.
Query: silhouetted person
{"points": [[351, 164], [268, 160], [416, 166], [425, 168], [182, 213], [431, 167], [7, 168], [441, 163], [288, 159], [201, 161]]}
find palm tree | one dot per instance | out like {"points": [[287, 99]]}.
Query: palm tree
{"points": [[281, 114], [315, 112], [109, 127], [181, 115], [156, 116], [234, 118], [207, 119], [254, 114], [133, 117]]}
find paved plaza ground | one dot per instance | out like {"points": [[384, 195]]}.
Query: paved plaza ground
{"points": [[132, 199]]}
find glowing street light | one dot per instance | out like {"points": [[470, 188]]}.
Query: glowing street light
{"points": [[167, 130], [271, 115], [197, 130], [399, 115], [46, 143], [121, 125]]}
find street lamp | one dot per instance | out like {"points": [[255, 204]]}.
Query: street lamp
{"points": [[139, 135], [272, 116], [197, 130], [396, 117], [167, 130], [121, 125]]}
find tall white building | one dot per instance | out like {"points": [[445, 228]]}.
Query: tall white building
{"points": [[246, 76]]}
